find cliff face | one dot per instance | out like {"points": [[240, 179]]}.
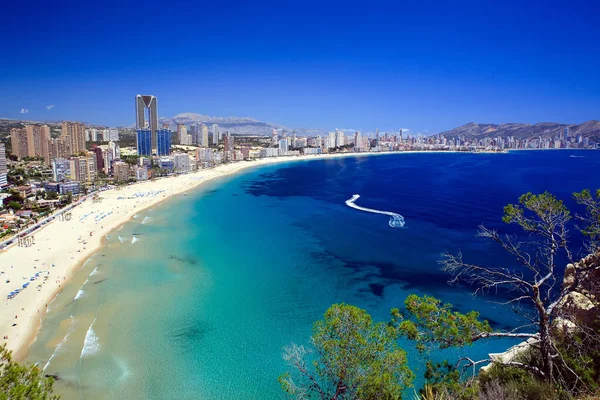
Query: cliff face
{"points": [[582, 306]]}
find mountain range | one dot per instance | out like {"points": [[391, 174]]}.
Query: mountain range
{"points": [[474, 130], [234, 125]]}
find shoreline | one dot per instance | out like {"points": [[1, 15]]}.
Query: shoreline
{"points": [[58, 252], [68, 251]]}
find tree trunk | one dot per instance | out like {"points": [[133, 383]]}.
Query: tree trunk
{"points": [[545, 344]]}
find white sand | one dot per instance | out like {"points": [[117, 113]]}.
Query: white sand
{"points": [[61, 246]]}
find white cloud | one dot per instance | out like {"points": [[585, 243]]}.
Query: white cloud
{"points": [[50, 107], [24, 111]]}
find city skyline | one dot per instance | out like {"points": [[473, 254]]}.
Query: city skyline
{"points": [[395, 64]]}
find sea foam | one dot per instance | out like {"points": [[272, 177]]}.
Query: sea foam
{"points": [[61, 344], [91, 345]]}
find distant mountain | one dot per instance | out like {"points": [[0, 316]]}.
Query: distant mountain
{"points": [[589, 129], [234, 125]]}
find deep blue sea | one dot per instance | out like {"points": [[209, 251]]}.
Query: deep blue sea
{"points": [[201, 304]]}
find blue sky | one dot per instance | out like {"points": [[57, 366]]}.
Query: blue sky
{"points": [[426, 66]]}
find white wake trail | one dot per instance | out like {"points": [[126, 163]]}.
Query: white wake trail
{"points": [[396, 220]]}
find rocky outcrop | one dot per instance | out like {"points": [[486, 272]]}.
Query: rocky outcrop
{"points": [[582, 305]]}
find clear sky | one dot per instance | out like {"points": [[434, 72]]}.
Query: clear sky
{"points": [[421, 65]]}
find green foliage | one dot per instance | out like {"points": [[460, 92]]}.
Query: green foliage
{"points": [[444, 381], [131, 160], [515, 383], [357, 359], [14, 205], [535, 211], [435, 325], [50, 195], [581, 354], [591, 219], [22, 382]]}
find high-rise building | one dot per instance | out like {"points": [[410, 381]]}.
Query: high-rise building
{"points": [[144, 142], [163, 138], [274, 138], [59, 148], [339, 138], [75, 132], [61, 169], [113, 135], [215, 132], [18, 141], [121, 171], [283, 147], [358, 144], [227, 146], [3, 166], [150, 121], [204, 136], [330, 140], [99, 158], [182, 134], [31, 142], [181, 163], [37, 141], [83, 168]]}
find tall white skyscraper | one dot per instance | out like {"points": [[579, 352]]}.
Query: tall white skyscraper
{"points": [[358, 141], [339, 138], [215, 132], [204, 136], [330, 140], [3, 166], [182, 134]]}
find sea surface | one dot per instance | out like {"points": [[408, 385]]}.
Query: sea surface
{"points": [[196, 298]]}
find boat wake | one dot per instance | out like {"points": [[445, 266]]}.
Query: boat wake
{"points": [[396, 220]]}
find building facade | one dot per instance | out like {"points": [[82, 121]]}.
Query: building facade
{"points": [[3, 166], [83, 168], [144, 142], [74, 132], [163, 138], [144, 121]]}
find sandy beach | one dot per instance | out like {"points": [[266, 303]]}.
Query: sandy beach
{"points": [[61, 246]]}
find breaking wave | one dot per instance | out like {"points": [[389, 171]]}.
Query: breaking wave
{"points": [[60, 345], [91, 345]]}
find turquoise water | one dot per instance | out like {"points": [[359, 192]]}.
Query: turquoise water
{"points": [[197, 297]]}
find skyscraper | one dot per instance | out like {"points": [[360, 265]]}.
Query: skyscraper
{"points": [[228, 146], [358, 145], [3, 166], [143, 102], [37, 141], [31, 142], [182, 134], [163, 139], [18, 141], [75, 131], [204, 136], [144, 142], [215, 132]]}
